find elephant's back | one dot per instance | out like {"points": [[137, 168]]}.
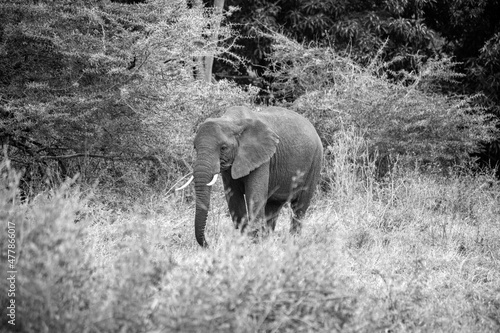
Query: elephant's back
{"points": [[282, 113], [290, 124]]}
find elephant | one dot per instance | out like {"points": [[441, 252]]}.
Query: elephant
{"points": [[266, 158]]}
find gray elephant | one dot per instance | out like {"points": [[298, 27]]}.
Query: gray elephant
{"points": [[266, 159]]}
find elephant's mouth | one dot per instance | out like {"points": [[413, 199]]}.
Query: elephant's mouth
{"points": [[225, 166]]}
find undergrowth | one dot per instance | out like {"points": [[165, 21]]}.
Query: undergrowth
{"points": [[411, 252]]}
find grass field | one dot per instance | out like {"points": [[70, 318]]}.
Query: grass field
{"points": [[414, 252]]}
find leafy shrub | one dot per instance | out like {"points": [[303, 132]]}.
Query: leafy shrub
{"points": [[403, 118]]}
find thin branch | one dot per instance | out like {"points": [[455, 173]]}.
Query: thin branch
{"points": [[50, 157], [107, 157]]}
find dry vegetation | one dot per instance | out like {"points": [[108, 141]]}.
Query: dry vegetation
{"points": [[399, 238], [413, 252]]}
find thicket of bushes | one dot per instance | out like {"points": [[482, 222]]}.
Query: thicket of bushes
{"points": [[115, 100], [105, 90], [407, 117]]}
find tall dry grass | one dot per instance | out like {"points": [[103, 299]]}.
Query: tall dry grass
{"points": [[411, 252]]}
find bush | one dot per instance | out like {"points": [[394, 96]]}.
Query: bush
{"points": [[53, 271], [113, 98], [401, 117]]}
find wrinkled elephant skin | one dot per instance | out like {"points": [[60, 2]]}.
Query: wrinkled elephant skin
{"points": [[266, 159]]}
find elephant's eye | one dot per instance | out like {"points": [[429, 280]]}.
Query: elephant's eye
{"points": [[224, 148]]}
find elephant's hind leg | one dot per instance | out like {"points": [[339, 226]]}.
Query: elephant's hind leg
{"points": [[299, 208], [301, 203], [296, 223], [273, 209]]}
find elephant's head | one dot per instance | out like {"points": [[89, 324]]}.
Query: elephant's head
{"points": [[238, 145]]}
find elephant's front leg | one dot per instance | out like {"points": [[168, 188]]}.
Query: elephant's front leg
{"points": [[234, 191], [256, 191]]}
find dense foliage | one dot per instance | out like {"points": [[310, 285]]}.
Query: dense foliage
{"points": [[103, 89], [408, 118], [361, 26], [402, 33], [116, 97], [470, 31], [466, 30]]}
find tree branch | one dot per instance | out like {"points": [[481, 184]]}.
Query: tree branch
{"points": [[106, 157], [52, 157]]}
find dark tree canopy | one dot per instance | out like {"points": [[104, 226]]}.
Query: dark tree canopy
{"points": [[466, 30], [470, 32]]}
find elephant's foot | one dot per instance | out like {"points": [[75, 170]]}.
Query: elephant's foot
{"points": [[296, 226], [258, 233], [271, 224]]}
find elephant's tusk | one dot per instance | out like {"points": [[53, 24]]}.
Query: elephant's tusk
{"points": [[185, 185], [213, 180]]}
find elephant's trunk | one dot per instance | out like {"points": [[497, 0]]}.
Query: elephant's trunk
{"points": [[203, 174]]}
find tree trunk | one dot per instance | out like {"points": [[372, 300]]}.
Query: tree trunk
{"points": [[209, 60]]}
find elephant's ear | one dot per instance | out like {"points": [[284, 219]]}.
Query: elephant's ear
{"points": [[256, 144]]}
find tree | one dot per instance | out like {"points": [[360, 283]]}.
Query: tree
{"points": [[104, 89], [358, 27], [471, 32], [209, 60]]}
